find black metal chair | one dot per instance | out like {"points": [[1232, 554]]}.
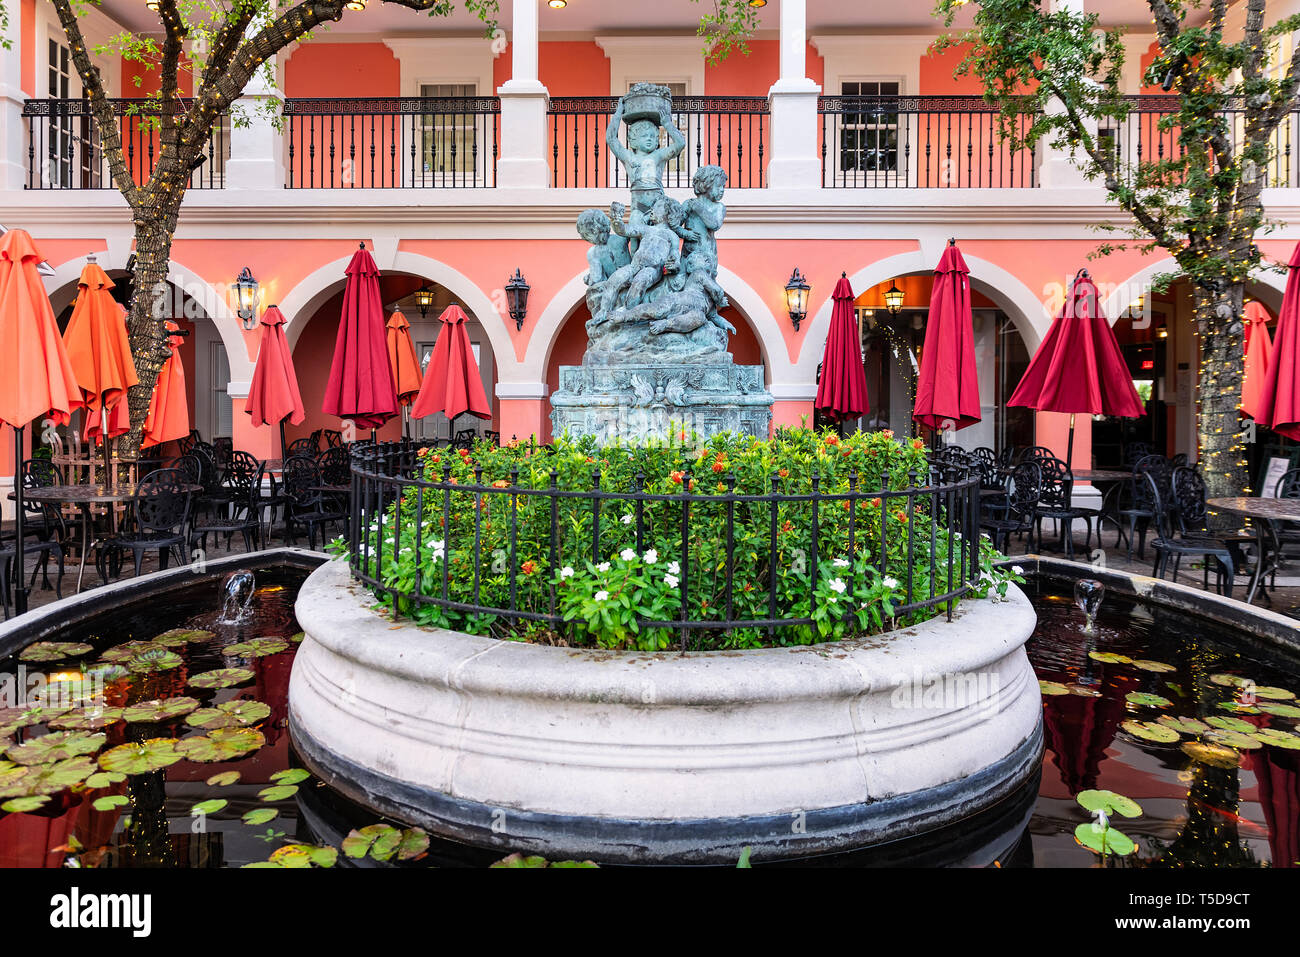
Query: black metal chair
{"points": [[1170, 545], [1139, 507], [333, 439], [1135, 452], [1288, 533], [302, 447], [161, 507], [244, 519], [1054, 502], [238, 476], [45, 524], [306, 506], [1017, 514], [223, 446], [1035, 453]]}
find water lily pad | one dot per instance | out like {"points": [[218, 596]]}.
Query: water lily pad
{"points": [[305, 855], [1083, 691], [154, 661], [24, 804], [1175, 688], [1233, 739], [1150, 731], [260, 815], [178, 637], [129, 649], [297, 637], [1049, 688], [54, 651], [518, 861], [1281, 710], [1236, 707], [1097, 800], [255, 648], [1108, 841], [1183, 725], [86, 719], [1214, 755], [110, 801], [378, 840], [414, 844], [1230, 724], [221, 678], [1273, 694], [158, 710], [65, 695], [1145, 699], [211, 806], [279, 792], [223, 779], [1158, 667], [1110, 658], [1229, 681], [46, 778], [107, 672], [230, 714], [140, 757], [102, 779], [223, 744], [291, 776], [56, 746]]}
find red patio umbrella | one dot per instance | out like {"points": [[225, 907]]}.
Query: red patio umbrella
{"points": [[842, 391], [169, 412], [947, 390], [1279, 402], [273, 394], [403, 361], [1079, 366], [452, 384], [36, 377], [360, 385], [1259, 354]]}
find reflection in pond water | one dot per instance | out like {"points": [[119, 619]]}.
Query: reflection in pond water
{"points": [[195, 769]]}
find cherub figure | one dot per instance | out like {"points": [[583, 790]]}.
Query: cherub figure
{"points": [[643, 158], [658, 251], [694, 299], [704, 214], [608, 252]]}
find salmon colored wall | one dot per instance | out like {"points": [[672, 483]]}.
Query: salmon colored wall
{"points": [[936, 74], [753, 75], [567, 68], [27, 68], [342, 69]]}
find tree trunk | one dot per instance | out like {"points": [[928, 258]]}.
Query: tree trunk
{"points": [[1222, 451]]}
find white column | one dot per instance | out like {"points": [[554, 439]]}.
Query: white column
{"points": [[524, 103], [13, 139], [256, 150], [1055, 168], [794, 163]]}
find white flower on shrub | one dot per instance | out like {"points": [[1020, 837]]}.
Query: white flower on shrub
{"points": [[603, 567], [670, 581], [626, 519], [650, 557], [566, 571], [601, 595], [674, 569], [837, 585], [841, 563], [628, 554], [890, 582], [1017, 569]]}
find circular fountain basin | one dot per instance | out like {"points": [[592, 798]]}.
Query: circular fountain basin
{"points": [[628, 756]]}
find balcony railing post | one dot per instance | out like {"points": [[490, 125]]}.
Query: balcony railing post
{"points": [[524, 103], [794, 161], [256, 149]]}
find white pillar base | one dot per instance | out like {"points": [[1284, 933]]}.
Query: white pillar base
{"points": [[794, 163], [13, 165], [522, 163], [257, 150]]}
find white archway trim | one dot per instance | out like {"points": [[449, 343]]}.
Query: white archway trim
{"points": [[1126, 292], [1021, 305], [742, 295], [305, 298], [62, 285]]}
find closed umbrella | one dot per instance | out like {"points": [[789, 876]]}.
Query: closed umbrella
{"points": [[36, 378], [1259, 354], [360, 385], [403, 362], [273, 394], [842, 390], [452, 384], [168, 418], [947, 391], [100, 353], [1079, 366], [1279, 402]]}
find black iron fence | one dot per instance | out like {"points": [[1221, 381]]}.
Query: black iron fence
{"points": [[392, 142], [64, 150], [726, 131], [404, 531], [919, 142]]}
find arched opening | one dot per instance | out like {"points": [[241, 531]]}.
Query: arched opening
{"points": [[317, 333]]}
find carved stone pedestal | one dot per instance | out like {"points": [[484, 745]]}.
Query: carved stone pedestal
{"points": [[630, 401]]}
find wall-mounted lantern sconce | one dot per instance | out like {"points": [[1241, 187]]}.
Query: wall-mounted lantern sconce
{"points": [[894, 299], [247, 294], [796, 298], [517, 298]]}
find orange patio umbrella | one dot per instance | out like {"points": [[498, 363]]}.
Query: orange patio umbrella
{"points": [[403, 361], [1259, 353], [36, 378], [100, 353], [452, 384], [169, 411]]}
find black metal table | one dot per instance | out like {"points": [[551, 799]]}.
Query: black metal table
{"points": [[1265, 513]]}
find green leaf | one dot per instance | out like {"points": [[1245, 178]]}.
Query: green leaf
{"points": [[1150, 731], [210, 806], [278, 792], [1230, 724], [129, 649], [158, 710], [1049, 688], [1109, 841], [1156, 666], [1109, 801], [154, 661], [1214, 755], [255, 648], [182, 636], [744, 858], [54, 651], [290, 776], [56, 746], [45, 778], [513, 861], [103, 779], [1229, 681], [86, 719], [1144, 699], [1281, 710], [221, 678], [24, 804], [110, 801], [223, 744], [1110, 658], [1233, 739], [414, 844], [1183, 725], [1275, 694], [222, 779], [140, 757], [260, 815], [230, 714]]}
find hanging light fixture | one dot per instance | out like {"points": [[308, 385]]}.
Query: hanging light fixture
{"points": [[423, 301], [796, 298], [355, 5], [894, 299], [246, 295], [517, 298], [153, 4], [758, 3], [557, 4]]}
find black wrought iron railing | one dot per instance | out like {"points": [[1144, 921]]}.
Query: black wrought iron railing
{"points": [[392, 142], [64, 150], [439, 543], [726, 131], [919, 142]]}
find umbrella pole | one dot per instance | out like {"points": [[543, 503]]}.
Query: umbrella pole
{"points": [[1069, 448], [283, 446], [103, 438], [20, 593]]}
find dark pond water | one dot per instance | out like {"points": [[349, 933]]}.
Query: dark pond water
{"points": [[1224, 806]]}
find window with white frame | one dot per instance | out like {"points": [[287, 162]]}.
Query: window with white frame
{"points": [[449, 151], [868, 128]]}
